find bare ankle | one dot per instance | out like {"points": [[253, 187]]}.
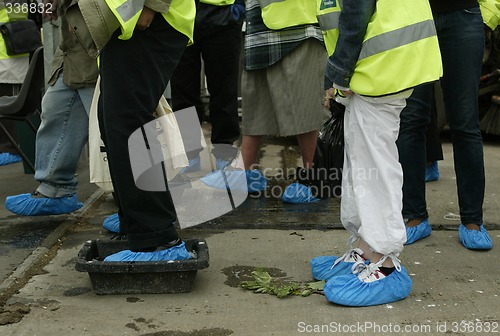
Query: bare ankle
{"points": [[414, 222], [472, 226]]}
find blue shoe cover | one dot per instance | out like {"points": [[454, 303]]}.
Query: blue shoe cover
{"points": [[475, 240], [112, 223], [238, 180], [256, 181], [8, 158], [418, 232], [432, 172], [26, 205], [326, 267], [178, 252], [322, 267], [297, 193], [193, 166], [349, 290]]}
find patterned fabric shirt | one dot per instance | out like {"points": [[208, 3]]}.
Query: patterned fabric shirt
{"points": [[264, 47]]}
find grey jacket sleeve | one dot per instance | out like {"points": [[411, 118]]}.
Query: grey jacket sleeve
{"points": [[161, 6]]}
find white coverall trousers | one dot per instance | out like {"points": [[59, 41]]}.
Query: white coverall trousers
{"points": [[372, 181]]}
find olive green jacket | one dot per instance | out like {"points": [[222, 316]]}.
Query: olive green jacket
{"points": [[78, 68]]}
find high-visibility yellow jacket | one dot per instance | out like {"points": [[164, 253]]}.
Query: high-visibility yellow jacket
{"points": [[279, 14], [180, 15], [218, 2], [400, 49], [490, 9], [13, 68]]}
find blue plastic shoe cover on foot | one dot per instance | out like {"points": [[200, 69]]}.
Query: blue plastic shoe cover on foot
{"points": [[418, 232], [26, 205], [432, 172], [112, 223], [349, 290], [322, 267], [8, 158], [256, 181], [178, 252], [475, 240], [239, 180], [326, 267], [297, 193]]}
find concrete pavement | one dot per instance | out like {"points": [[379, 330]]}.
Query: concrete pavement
{"points": [[456, 291]]}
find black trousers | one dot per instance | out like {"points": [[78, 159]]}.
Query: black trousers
{"points": [[134, 75], [220, 48]]}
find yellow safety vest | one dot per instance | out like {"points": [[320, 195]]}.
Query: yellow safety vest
{"points": [[180, 16], [400, 48], [279, 14], [490, 9], [328, 19], [218, 2], [10, 15]]}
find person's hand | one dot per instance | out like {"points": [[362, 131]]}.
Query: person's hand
{"points": [[329, 94], [341, 96], [50, 9], [145, 19]]}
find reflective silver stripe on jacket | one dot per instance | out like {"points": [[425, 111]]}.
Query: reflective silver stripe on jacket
{"points": [[329, 21], [397, 38], [264, 3], [129, 9]]}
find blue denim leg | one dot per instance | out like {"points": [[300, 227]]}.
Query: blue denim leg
{"points": [[412, 150], [61, 137], [461, 39]]}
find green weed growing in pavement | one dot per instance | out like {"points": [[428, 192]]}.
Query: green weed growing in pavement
{"points": [[264, 283]]}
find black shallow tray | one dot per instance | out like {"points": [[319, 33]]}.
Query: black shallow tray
{"points": [[155, 277]]}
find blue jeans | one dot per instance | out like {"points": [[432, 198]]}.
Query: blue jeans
{"points": [[461, 39], [61, 137]]}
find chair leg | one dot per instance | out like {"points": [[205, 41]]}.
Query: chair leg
{"points": [[19, 150]]}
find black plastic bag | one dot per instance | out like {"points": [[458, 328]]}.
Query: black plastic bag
{"points": [[326, 176]]}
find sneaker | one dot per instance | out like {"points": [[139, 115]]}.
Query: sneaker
{"points": [[297, 193], [473, 239], [326, 267], [36, 204], [432, 172], [177, 252], [194, 165], [236, 179], [8, 158], [112, 223], [369, 287], [418, 232]]}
